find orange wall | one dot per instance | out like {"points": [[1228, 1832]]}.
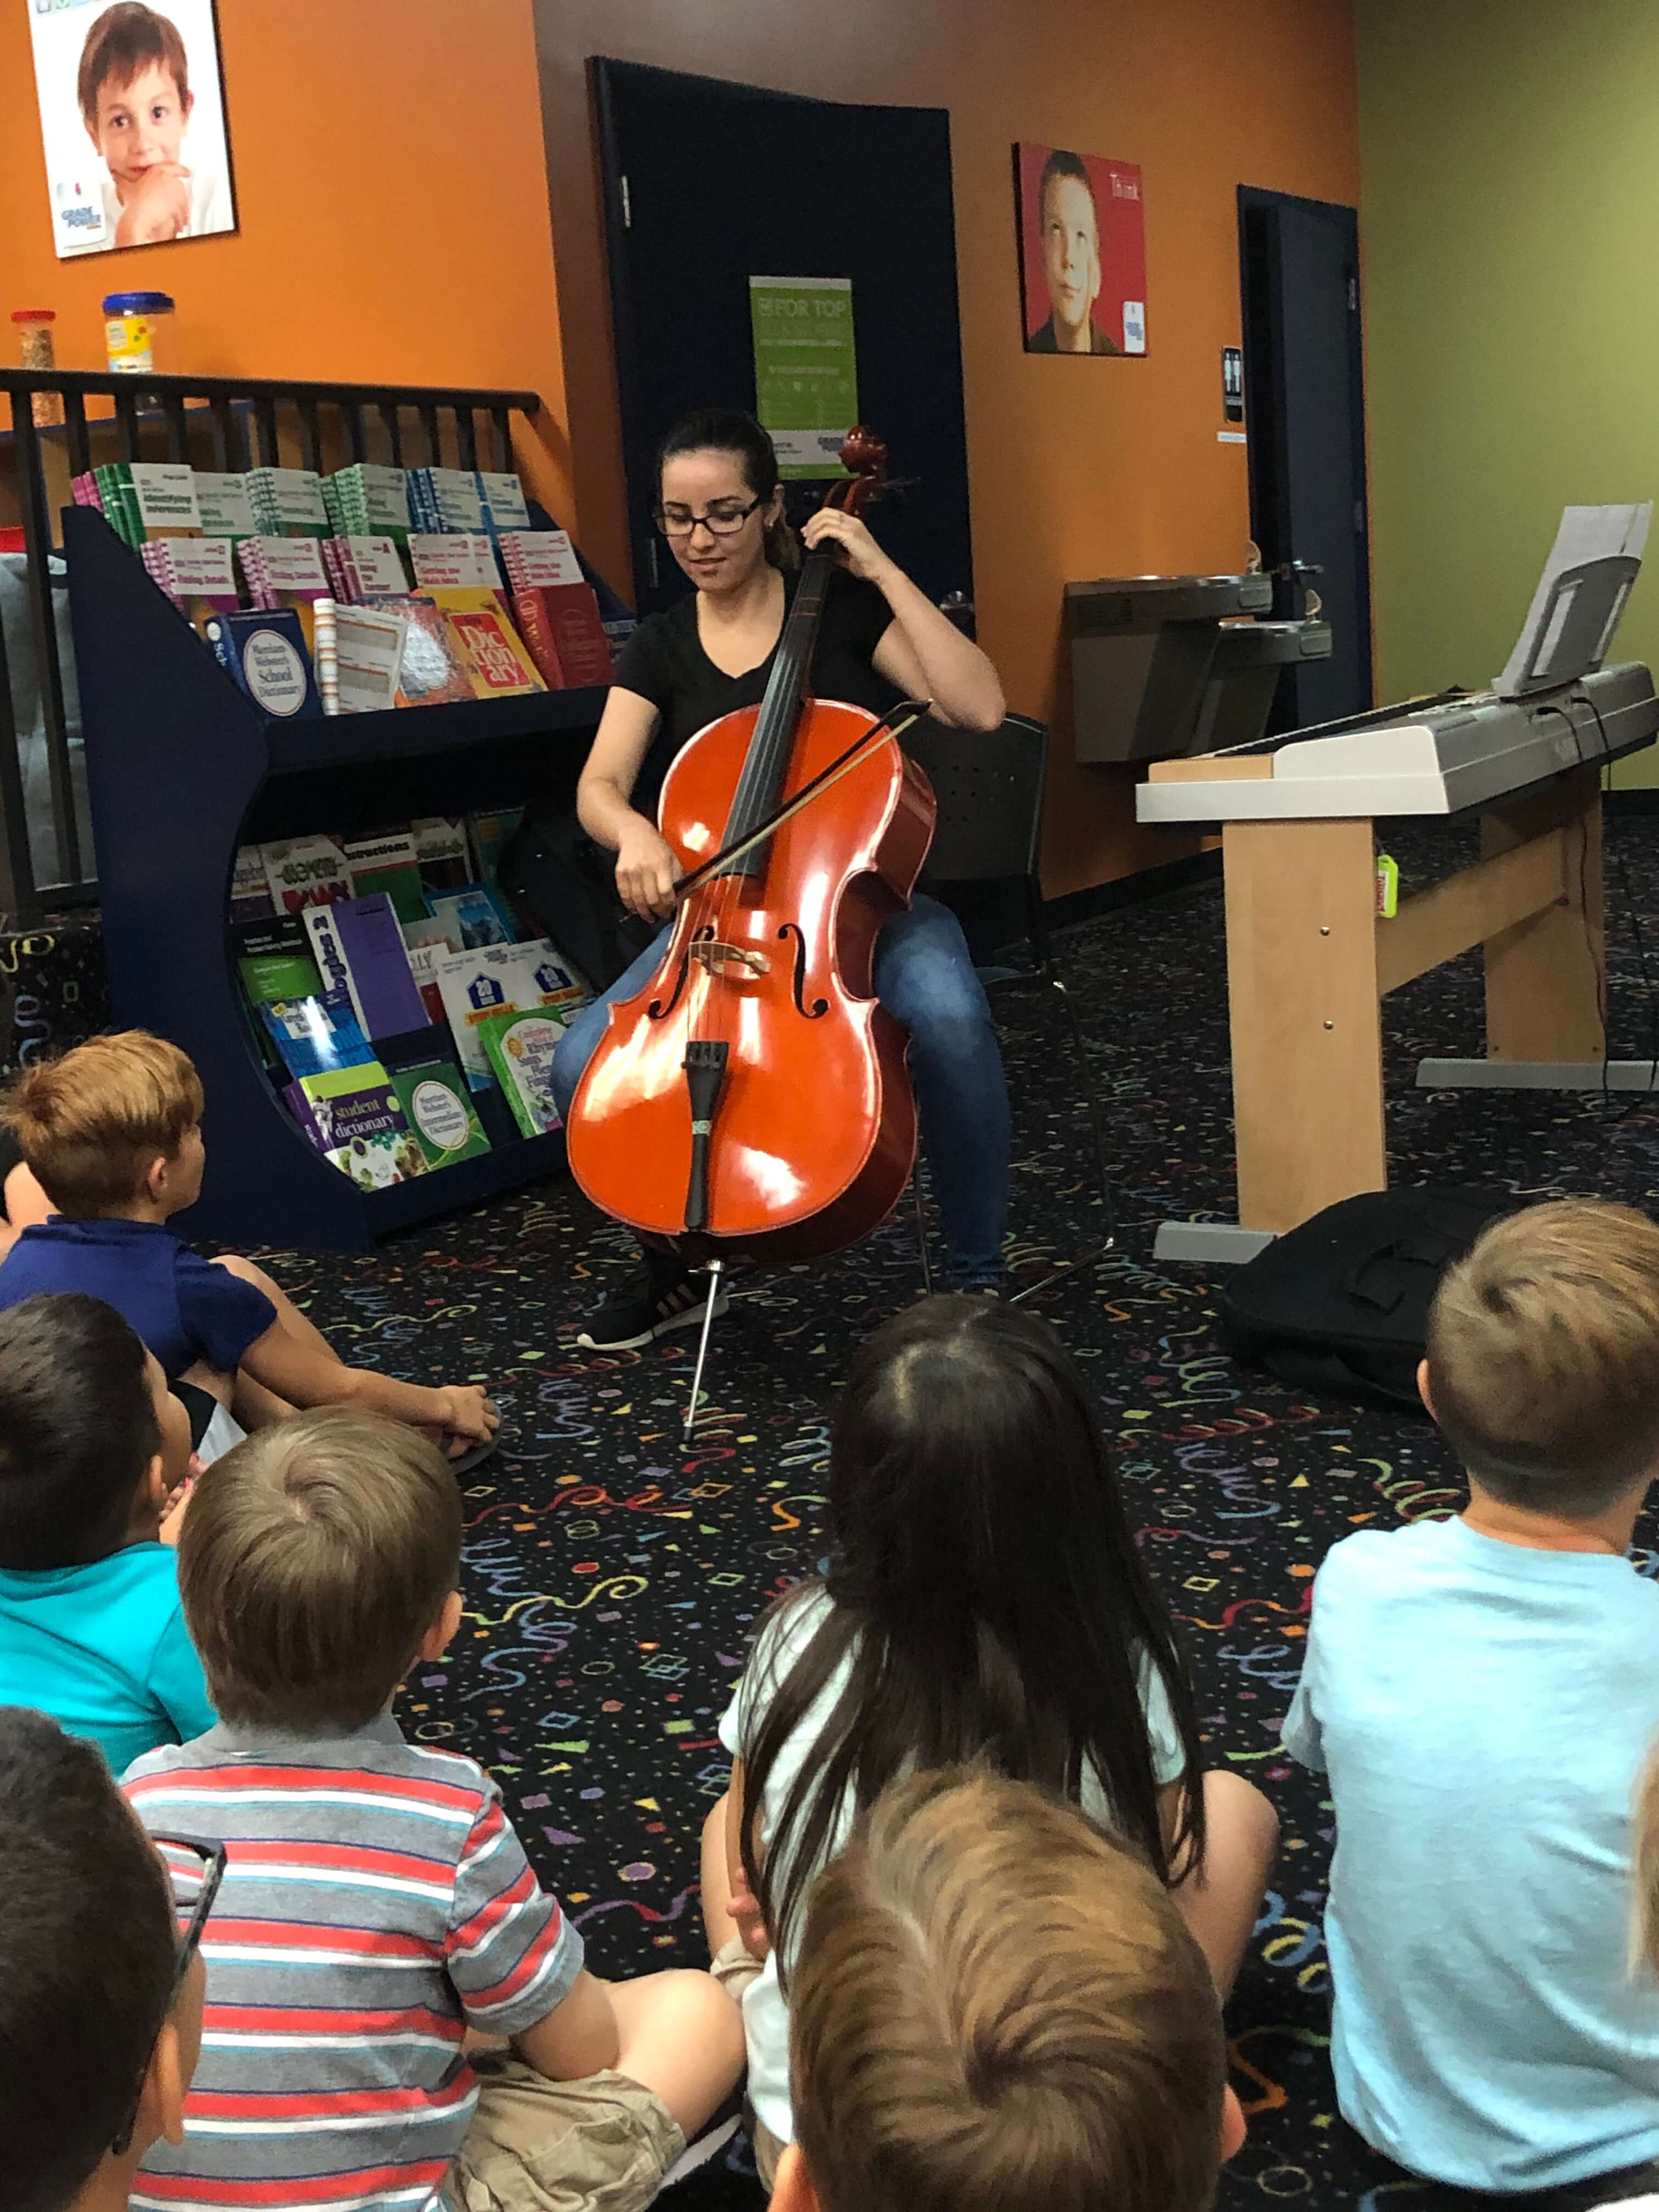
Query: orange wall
{"points": [[392, 192], [393, 195], [1073, 474]]}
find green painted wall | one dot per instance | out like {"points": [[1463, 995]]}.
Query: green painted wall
{"points": [[1509, 236]]}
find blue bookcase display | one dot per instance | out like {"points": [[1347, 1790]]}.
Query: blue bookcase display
{"points": [[182, 768]]}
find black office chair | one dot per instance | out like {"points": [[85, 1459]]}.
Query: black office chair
{"points": [[989, 786]]}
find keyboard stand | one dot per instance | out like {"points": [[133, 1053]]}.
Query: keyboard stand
{"points": [[1308, 961]]}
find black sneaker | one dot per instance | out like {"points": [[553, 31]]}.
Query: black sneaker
{"points": [[656, 1298]]}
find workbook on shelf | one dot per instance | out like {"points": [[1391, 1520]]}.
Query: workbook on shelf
{"points": [[374, 982], [491, 607]]}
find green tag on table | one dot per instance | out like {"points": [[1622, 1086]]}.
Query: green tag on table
{"points": [[1388, 886]]}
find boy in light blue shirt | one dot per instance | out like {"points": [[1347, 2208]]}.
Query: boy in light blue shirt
{"points": [[1481, 1692], [93, 1446]]}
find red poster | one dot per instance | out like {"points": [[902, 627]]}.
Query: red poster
{"points": [[1082, 251]]}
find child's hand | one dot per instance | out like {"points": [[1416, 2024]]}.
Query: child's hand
{"points": [[159, 208], [745, 1911], [173, 1513], [467, 1414]]}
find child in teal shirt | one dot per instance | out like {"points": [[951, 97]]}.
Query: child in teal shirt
{"points": [[92, 1446]]}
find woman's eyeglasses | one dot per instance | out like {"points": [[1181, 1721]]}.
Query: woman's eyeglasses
{"points": [[207, 1873], [726, 517]]}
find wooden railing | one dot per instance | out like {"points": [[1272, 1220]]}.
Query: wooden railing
{"points": [[215, 422]]}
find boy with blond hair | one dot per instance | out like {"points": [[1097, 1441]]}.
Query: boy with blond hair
{"points": [[383, 1904], [112, 1133], [998, 2007], [1481, 1691]]}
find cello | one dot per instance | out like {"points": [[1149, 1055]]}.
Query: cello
{"points": [[753, 1099]]}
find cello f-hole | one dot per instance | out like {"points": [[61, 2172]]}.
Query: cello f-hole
{"points": [[798, 981], [659, 1009]]}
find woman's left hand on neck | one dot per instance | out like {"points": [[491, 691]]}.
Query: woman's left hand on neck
{"points": [[848, 542]]}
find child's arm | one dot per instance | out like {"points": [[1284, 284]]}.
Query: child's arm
{"points": [[578, 2037], [742, 1905], [305, 1378]]}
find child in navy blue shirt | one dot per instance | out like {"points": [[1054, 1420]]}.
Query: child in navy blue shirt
{"points": [[112, 1132], [93, 1449]]}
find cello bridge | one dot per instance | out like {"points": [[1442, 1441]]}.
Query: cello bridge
{"points": [[713, 953]]}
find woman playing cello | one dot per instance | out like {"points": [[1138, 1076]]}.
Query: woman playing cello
{"points": [[720, 508]]}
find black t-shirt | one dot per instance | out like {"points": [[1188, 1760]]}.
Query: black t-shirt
{"points": [[664, 662]]}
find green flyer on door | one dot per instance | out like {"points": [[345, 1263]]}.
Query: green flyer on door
{"points": [[806, 387]]}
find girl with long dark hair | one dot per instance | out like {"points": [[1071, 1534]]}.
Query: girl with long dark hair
{"points": [[983, 1600], [721, 510]]}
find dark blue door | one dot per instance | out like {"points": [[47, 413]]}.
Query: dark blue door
{"points": [[708, 184], [1305, 415]]}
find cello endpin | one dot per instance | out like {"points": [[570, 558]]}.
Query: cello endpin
{"points": [[716, 1269]]}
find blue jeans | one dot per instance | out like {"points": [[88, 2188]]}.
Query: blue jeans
{"points": [[925, 977]]}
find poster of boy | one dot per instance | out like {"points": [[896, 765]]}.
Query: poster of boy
{"points": [[1082, 251], [132, 121]]}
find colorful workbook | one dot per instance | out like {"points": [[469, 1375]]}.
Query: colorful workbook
{"points": [[383, 982], [496, 660], [367, 499], [501, 497], [434, 1097], [288, 502], [388, 863], [317, 1034], [561, 627], [368, 656], [222, 503], [249, 892], [475, 914], [165, 494], [266, 654], [274, 959], [491, 830], [306, 872], [354, 1118], [463, 558], [433, 669], [520, 1048], [441, 850]]}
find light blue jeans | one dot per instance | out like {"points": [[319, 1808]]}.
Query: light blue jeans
{"points": [[925, 977]]}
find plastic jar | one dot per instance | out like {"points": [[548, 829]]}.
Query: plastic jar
{"points": [[135, 331], [35, 351]]}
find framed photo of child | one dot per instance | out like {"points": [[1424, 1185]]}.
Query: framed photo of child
{"points": [[1082, 251], [132, 122]]}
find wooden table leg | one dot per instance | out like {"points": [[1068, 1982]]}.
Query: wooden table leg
{"points": [[1544, 977], [1306, 1029]]}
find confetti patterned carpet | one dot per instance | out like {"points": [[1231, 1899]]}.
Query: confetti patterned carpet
{"points": [[612, 1577]]}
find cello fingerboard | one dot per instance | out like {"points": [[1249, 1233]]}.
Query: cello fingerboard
{"points": [[760, 787]]}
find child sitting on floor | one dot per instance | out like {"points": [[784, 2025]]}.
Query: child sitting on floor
{"points": [[1481, 1691], [996, 2008], [984, 1598], [100, 2005], [93, 1444], [112, 1132], [319, 1562]]}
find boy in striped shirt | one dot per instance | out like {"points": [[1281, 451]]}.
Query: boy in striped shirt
{"points": [[377, 1906]]}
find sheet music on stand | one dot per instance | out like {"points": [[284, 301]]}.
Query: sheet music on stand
{"points": [[1581, 596]]}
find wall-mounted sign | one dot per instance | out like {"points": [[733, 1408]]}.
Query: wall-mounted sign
{"points": [[1232, 383], [132, 120], [806, 382], [1082, 251]]}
